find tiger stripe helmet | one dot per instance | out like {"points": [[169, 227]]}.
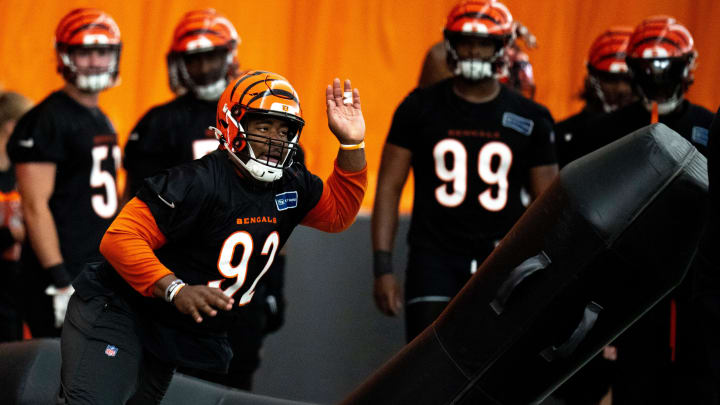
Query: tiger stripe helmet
{"points": [[607, 53], [607, 83], [661, 59], [199, 31], [258, 94], [87, 28], [480, 19]]}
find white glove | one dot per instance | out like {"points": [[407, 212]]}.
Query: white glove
{"points": [[61, 297]]}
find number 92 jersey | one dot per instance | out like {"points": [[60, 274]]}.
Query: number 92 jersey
{"points": [[470, 162], [222, 231]]}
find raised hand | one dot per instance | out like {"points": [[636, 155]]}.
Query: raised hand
{"points": [[345, 117]]}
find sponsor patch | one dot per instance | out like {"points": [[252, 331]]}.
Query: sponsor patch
{"points": [[518, 123], [111, 351], [700, 135], [286, 200]]}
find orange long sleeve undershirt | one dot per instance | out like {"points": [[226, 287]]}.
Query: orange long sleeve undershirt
{"points": [[340, 201], [129, 242], [128, 245]]}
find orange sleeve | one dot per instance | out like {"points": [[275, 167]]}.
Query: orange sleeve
{"points": [[128, 245], [340, 201]]}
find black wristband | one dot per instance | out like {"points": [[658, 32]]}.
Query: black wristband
{"points": [[59, 275], [382, 263]]}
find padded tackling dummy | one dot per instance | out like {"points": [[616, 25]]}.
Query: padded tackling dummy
{"points": [[30, 372], [612, 235]]}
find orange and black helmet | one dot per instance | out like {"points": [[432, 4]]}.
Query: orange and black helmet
{"points": [[259, 94], [200, 31], [87, 28], [608, 51], [661, 59], [487, 19]]}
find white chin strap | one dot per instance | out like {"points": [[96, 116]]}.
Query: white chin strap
{"points": [[474, 69], [257, 170], [260, 171], [211, 91], [94, 83]]}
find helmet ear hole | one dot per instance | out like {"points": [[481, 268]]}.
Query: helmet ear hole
{"points": [[236, 110]]}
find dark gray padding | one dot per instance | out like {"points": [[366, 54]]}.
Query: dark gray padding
{"points": [[30, 375], [29, 372], [613, 234], [192, 391]]}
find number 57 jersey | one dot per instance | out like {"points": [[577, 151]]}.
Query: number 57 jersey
{"points": [[470, 162]]}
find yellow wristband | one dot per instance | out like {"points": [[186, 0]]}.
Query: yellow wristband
{"points": [[360, 145]]}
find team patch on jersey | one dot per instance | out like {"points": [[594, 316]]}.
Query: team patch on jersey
{"points": [[111, 351], [518, 123], [700, 135], [286, 200]]}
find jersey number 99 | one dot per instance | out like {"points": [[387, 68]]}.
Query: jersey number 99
{"points": [[457, 173]]}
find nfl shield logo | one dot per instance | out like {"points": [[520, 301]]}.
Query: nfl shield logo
{"points": [[111, 350]]}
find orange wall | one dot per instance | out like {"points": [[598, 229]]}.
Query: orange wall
{"points": [[379, 44]]}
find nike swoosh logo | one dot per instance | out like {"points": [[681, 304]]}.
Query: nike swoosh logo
{"points": [[27, 143], [169, 204]]}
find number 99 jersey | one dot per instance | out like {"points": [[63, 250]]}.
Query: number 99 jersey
{"points": [[470, 162]]}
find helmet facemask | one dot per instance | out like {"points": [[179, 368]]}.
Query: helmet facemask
{"points": [[263, 156], [188, 71], [662, 80], [605, 86], [474, 68], [91, 79]]}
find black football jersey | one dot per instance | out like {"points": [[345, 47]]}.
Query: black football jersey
{"points": [[689, 120], [569, 133], [82, 143], [167, 135], [470, 162], [222, 231]]}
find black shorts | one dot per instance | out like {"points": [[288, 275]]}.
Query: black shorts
{"points": [[436, 278]]}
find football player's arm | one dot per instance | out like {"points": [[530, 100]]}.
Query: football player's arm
{"points": [[340, 201], [36, 182], [128, 246], [346, 122], [541, 177], [345, 187], [394, 170]]}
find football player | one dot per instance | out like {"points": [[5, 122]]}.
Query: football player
{"points": [[66, 155], [661, 59], [660, 358], [516, 72], [189, 250], [607, 88], [12, 229], [201, 61], [472, 144]]}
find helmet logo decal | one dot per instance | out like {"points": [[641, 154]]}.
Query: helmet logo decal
{"points": [[655, 52], [91, 39], [202, 42], [474, 26]]}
